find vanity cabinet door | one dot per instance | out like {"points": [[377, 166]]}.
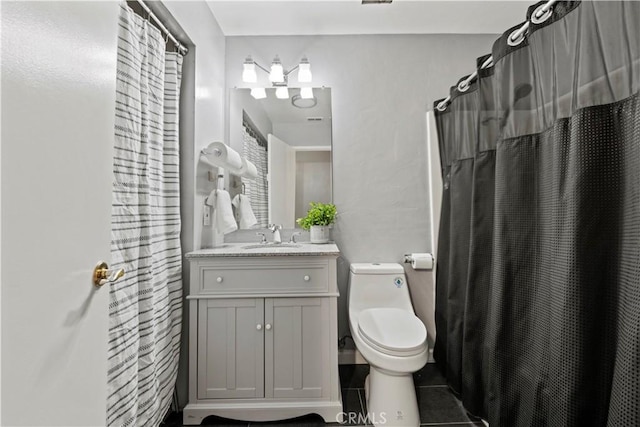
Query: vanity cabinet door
{"points": [[231, 348], [297, 356]]}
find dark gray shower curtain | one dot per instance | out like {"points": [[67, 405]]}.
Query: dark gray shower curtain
{"points": [[538, 280]]}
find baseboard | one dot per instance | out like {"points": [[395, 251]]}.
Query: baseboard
{"points": [[350, 357]]}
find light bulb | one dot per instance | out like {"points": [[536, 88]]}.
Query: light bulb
{"points": [[304, 71], [249, 71], [306, 93], [258, 92], [282, 92], [277, 72]]}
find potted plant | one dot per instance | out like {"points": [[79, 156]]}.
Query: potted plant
{"points": [[319, 217]]}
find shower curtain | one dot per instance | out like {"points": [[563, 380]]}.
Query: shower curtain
{"points": [[145, 308], [257, 189], [538, 281]]}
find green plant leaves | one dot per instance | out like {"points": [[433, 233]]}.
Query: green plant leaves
{"points": [[319, 214]]}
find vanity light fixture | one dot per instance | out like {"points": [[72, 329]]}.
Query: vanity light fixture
{"points": [[277, 72], [278, 76], [306, 93], [249, 74], [304, 70], [259, 92], [282, 92]]}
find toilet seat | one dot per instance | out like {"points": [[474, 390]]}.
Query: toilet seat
{"points": [[392, 331]]}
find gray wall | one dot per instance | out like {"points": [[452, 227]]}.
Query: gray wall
{"points": [[381, 87]]}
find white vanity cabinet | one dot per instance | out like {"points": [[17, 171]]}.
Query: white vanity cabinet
{"points": [[263, 335]]}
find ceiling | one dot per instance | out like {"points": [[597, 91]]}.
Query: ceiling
{"points": [[328, 17], [282, 110]]}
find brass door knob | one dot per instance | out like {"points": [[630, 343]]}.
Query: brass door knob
{"points": [[102, 274]]}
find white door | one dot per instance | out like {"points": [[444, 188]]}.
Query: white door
{"points": [[425, 309], [281, 165], [58, 106]]}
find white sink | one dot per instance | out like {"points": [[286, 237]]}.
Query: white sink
{"points": [[271, 245]]}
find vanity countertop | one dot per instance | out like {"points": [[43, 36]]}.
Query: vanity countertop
{"points": [[248, 249]]}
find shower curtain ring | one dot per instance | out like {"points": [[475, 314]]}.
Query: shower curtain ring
{"points": [[516, 37], [463, 86], [540, 14]]}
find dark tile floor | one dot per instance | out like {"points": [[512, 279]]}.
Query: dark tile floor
{"points": [[438, 406]]}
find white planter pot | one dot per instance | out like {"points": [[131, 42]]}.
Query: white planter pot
{"points": [[319, 233]]}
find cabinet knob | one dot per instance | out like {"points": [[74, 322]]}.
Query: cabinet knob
{"points": [[307, 278], [267, 326], [219, 280], [259, 327]]}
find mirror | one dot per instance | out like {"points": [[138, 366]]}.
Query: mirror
{"points": [[289, 141]]}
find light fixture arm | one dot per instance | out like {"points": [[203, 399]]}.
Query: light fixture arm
{"points": [[286, 73], [261, 67], [284, 83]]}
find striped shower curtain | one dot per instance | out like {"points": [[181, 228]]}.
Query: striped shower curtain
{"points": [[146, 305], [257, 189]]}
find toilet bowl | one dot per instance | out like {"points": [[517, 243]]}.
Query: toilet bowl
{"points": [[391, 339]]}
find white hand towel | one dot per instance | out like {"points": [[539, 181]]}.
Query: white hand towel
{"points": [[243, 207], [248, 169], [224, 222]]}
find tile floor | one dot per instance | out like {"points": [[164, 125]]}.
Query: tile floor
{"points": [[438, 406]]}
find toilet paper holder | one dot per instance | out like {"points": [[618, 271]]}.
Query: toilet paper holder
{"points": [[408, 259], [420, 262]]}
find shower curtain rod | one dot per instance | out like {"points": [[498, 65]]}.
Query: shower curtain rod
{"points": [[181, 49], [464, 85]]}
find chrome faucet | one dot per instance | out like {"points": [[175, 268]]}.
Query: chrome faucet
{"points": [[293, 237], [275, 229]]}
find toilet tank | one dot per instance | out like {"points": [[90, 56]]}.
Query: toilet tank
{"points": [[373, 285]]}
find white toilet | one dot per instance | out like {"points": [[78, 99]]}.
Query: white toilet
{"points": [[391, 338]]}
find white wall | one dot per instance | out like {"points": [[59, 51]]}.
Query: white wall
{"points": [[313, 179], [381, 87]]}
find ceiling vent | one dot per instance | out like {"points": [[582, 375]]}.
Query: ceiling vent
{"points": [[315, 119], [376, 1]]}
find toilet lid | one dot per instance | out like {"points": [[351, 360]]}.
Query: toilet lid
{"points": [[392, 330]]}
